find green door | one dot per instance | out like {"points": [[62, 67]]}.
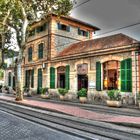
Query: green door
{"points": [[14, 83], [39, 80], [98, 76], [52, 77]]}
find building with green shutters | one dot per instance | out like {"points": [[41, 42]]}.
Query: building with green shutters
{"points": [[62, 53], [47, 38], [102, 64]]}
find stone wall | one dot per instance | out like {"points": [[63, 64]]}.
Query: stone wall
{"points": [[61, 39], [91, 67]]}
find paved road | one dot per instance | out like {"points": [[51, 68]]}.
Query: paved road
{"points": [[14, 128]]}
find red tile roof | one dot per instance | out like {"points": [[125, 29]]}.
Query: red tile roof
{"points": [[98, 44]]}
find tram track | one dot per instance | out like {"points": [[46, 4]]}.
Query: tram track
{"points": [[83, 128]]}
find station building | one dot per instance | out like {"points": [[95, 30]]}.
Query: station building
{"points": [[62, 53]]}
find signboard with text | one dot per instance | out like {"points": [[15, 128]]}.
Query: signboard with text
{"points": [[92, 84]]}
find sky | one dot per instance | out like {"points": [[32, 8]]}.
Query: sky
{"points": [[111, 16]]}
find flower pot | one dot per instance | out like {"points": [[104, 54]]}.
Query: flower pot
{"points": [[139, 104], [43, 96], [83, 99], [61, 97], [114, 103]]}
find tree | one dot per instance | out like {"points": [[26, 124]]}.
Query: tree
{"points": [[19, 14]]}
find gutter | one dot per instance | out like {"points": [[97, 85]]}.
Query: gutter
{"points": [[96, 53]]}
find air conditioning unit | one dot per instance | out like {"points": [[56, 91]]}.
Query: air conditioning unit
{"points": [[43, 65]]}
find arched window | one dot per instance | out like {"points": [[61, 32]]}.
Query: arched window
{"points": [[40, 50], [82, 71]]}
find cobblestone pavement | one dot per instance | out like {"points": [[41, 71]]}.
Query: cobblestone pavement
{"points": [[14, 128], [77, 111]]}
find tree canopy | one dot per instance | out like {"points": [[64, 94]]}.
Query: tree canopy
{"points": [[18, 14]]}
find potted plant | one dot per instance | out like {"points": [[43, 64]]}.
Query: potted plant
{"points": [[25, 90], [82, 95], [138, 99], [62, 92], [7, 89], [114, 98], [44, 93]]}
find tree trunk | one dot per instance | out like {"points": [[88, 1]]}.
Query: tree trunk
{"points": [[18, 78]]}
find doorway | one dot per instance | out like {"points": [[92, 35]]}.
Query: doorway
{"points": [[82, 81], [61, 78], [14, 83]]}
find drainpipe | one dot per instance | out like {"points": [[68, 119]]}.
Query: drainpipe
{"points": [[136, 54], [136, 76]]}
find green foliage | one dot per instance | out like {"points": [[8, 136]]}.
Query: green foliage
{"points": [[6, 87], [138, 96], [114, 95], [1, 74], [43, 91], [17, 13], [62, 91], [25, 89], [21, 14], [82, 93]]}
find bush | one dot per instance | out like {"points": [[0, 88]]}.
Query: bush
{"points": [[82, 93], [62, 91], [114, 95], [43, 90], [138, 96]]}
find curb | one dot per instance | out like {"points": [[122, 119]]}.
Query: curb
{"points": [[34, 106]]}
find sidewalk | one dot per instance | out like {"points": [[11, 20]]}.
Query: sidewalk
{"points": [[77, 111]]}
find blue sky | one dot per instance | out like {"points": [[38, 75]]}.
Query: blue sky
{"points": [[111, 16]]}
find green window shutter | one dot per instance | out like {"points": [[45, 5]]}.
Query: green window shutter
{"points": [[40, 51], [52, 77], [45, 26], [9, 79], [26, 78], [68, 28], [39, 80], [38, 29], [32, 78], [14, 84], [126, 75], [59, 26], [98, 76], [87, 33], [67, 80], [30, 54], [79, 31], [129, 75], [123, 76]]}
